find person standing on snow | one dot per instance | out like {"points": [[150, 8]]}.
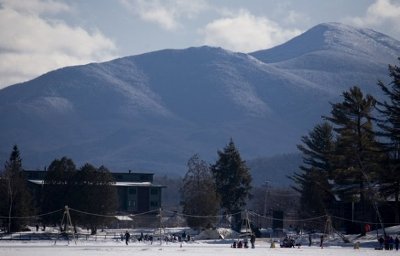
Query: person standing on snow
{"points": [[252, 240], [127, 236], [322, 242]]}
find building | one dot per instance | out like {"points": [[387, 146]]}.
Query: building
{"points": [[136, 191]]}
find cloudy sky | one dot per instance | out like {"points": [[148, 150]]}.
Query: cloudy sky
{"points": [[37, 36]]}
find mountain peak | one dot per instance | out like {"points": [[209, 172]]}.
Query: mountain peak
{"points": [[337, 37]]}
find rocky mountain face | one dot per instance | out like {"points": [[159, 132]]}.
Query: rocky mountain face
{"points": [[152, 112]]}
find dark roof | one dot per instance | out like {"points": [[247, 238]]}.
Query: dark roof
{"points": [[118, 176]]}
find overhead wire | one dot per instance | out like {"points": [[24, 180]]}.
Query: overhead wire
{"points": [[203, 216], [30, 217], [251, 213]]}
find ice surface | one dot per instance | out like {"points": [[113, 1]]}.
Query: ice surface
{"points": [[112, 246], [197, 248]]}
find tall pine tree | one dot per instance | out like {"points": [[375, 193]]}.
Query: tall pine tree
{"points": [[312, 181], [390, 131], [232, 179], [356, 151], [17, 198]]}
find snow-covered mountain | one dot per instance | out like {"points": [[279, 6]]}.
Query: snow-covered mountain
{"points": [[335, 56], [154, 111]]}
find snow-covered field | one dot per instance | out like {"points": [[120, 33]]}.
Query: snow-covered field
{"points": [[199, 248], [205, 247], [112, 246]]}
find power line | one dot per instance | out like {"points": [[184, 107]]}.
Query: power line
{"points": [[30, 217], [202, 216], [365, 222], [294, 220]]}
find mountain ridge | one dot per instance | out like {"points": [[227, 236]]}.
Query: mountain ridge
{"points": [[153, 111]]}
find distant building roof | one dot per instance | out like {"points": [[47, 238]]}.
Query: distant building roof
{"points": [[118, 176], [118, 184]]}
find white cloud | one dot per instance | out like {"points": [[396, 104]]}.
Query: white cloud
{"points": [[35, 6], [166, 14], [31, 44], [381, 13], [245, 32]]}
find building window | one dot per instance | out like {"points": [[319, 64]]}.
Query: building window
{"points": [[131, 204], [153, 203], [132, 191]]}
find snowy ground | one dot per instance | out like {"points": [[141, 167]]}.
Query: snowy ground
{"points": [[200, 248], [115, 247], [214, 247]]}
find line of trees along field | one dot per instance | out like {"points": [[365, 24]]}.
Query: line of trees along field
{"points": [[354, 155], [204, 191], [88, 189]]}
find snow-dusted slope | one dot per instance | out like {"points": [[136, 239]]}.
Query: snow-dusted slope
{"points": [[335, 56], [344, 39], [154, 111]]}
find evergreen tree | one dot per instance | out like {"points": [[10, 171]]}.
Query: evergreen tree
{"points": [[390, 131], [88, 190], [198, 194], [58, 189], [96, 194], [232, 179], [312, 181], [356, 151], [17, 200]]}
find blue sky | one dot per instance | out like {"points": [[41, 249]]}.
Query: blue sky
{"points": [[41, 35]]}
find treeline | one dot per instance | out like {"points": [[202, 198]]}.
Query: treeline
{"points": [[353, 156], [204, 191], [88, 189]]}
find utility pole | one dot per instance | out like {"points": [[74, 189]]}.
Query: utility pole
{"points": [[160, 226], [11, 202], [248, 227], [65, 221], [265, 200]]}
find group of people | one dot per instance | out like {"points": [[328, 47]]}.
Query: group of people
{"points": [[388, 243], [168, 238], [178, 237], [245, 242], [142, 237], [291, 242]]}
